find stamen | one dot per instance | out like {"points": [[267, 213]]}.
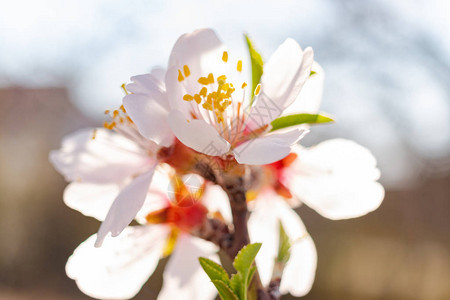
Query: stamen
{"points": [[94, 134], [188, 97], [239, 66], [180, 76], [203, 91], [122, 109], [211, 78], [107, 112], [186, 71], [221, 79], [258, 89], [197, 98], [124, 88], [225, 56], [244, 85], [203, 80]]}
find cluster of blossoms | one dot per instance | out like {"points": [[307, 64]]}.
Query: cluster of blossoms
{"points": [[193, 156]]}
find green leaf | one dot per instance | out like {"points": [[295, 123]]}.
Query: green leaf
{"points": [[243, 264], [245, 257], [250, 275], [238, 285], [214, 270], [257, 64], [297, 119], [284, 246], [224, 290]]}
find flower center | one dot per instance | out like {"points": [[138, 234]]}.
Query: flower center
{"points": [[215, 94], [185, 211]]}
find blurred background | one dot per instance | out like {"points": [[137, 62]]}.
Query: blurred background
{"points": [[387, 69]]}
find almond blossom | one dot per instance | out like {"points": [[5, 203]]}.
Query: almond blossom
{"points": [[337, 178], [207, 102], [113, 167], [123, 264]]}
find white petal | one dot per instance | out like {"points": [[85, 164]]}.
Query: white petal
{"points": [[183, 276], [109, 158], [92, 200], [263, 226], [150, 118], [269, 148], [299, 272], [157, 197], [125, 207], [216, 200], [119, 268], [201, 51], [310, 97], [198, 135], [150, 85], [337, 178], [282, 80]]}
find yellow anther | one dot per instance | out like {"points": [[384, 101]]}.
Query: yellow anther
{"points": [[211, 78], [207, 105], [107, 111], [258, 89], [124, 88], [180, 76], [188, 97], [203, 92], [197, 98], [244, 85], [186, 71], [121, 120], [239, 66], [221, 79], [115, 114], [129, 119], [225, 56], [203, 80], [122, 109]]}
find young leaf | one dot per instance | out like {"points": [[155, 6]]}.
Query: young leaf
{"points": [[297, 119], [284, 246], [224, 290], [214, 270], [242, 263], [250, 275], [245, 257], [238, 285], [257, 64]]}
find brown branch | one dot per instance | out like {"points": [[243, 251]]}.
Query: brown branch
{"points": [[274, 289], [216, 231], [235, 189]]}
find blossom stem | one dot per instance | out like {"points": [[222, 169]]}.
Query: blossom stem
{"points": [[218, 232], [235, 189]]}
